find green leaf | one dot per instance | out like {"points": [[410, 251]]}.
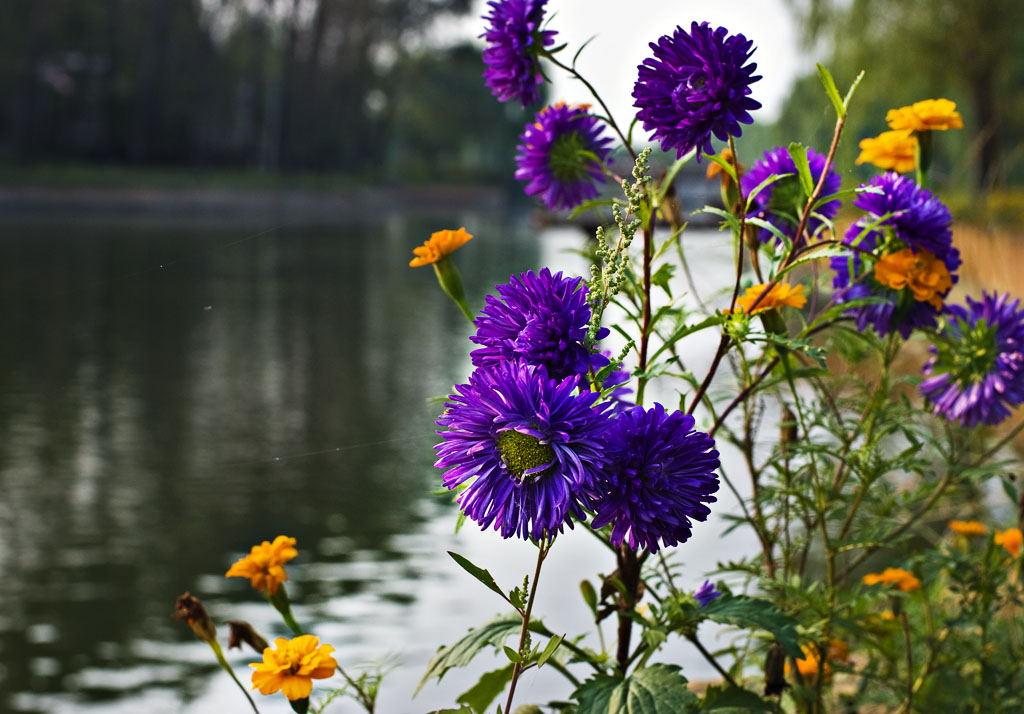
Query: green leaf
{"points": [[479, 573], [853, 88], [589, 595], [761, 187], [461, 710], [670, 176], [658, 689], [553, 644], [490, 634], [491, 684], [831, 91], [798, 153], [512, 655], [751, 612], [662, 276], [733, 700], [593, 203], [726, 166]]}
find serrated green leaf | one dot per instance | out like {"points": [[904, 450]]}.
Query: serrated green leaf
{"points": [[490, 685], [658, 689], [491, 634], [750, 612], [553, 644], [479, 573], [831, 91], [798, 153]]}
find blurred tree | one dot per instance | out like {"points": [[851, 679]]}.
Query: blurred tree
{"points": [[278, 84], [916, 49]]}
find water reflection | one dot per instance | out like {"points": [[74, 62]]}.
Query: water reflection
{"points": [[173, 393]]}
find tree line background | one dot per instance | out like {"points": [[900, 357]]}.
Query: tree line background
{"points": [[358, 88]]}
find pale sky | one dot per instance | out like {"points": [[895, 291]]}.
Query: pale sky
{"points": [[624, 29]]}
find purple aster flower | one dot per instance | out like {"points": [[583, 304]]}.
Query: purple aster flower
{"points": [[514, 41], [902, 216], [562, 155], [529, 447], [918, 218], [538, 319], [782, 203], [706, 593], [977, 369], [660, 477], [696, 85]]}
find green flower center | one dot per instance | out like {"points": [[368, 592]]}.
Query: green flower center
{"points": [[524, 454], [568, 159], [971, 358]]}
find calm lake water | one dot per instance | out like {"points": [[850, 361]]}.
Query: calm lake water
{"points": [[174, 392]]}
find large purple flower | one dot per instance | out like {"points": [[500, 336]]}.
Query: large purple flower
{"points": [[539, 319], [561, 155], [901, 216], [916, 216], [514, 40], [977, 369], [661, 475], [696, 85], [782, 203], [529, 448]]}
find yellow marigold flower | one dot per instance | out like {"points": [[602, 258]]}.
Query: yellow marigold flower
{"points": [[889, 150], [888, 615], [903, 579], [1011, 539], [925, 275], [968, 528], [441, 244], [780, 294], [292, 666], [926, 115], [263, 565]]}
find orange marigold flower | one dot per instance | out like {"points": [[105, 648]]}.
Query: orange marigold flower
{"points": [[889, 150], [1011, 539], [925, 275], [292, 666], [263, 565], [780, 294], [903, 579], [926, 115], [441, 245], [715, 169], [968, 528], [810, 664]]}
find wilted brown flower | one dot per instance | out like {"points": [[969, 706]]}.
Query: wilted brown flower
{"points": [[190, 609], [243, 633]]}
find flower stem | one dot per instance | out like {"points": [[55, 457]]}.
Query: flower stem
{"points": [[517, 668], [219, 654]]}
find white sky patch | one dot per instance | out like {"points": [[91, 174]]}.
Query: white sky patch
{"points": [[624, 30]]}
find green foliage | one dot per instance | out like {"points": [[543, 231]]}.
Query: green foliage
{"points": [[658, 689]]}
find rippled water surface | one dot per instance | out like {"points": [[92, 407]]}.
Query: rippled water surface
{"points": [[174, 392]]}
